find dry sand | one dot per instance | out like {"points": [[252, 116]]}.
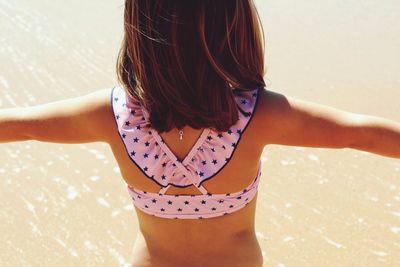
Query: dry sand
{"points": [[66, 205]]}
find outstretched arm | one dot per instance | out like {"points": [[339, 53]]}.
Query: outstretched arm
{"points": [[77, 120], [294, 122]]}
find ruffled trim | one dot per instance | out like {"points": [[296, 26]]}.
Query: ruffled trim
{"points": [[145, 147]]}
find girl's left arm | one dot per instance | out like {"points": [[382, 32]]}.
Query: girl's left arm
{"points": [[76, 120]]}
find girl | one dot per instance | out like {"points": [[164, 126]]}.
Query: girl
{"points": [[187, 124]]}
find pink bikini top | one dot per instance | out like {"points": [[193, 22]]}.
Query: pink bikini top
{"points": [[211, 152]]}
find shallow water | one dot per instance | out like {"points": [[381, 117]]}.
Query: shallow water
{"points": [[63, 205]]}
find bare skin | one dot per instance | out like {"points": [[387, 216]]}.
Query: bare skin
{"points": [[222, 241], [228, 240]]}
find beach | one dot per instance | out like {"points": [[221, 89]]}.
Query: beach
{"points": [[66, 204]]}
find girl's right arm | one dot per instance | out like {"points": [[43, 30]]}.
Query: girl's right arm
{"points": [[294, 122]]}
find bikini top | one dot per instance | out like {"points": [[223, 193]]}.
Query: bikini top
{"points": [[210, 153]]}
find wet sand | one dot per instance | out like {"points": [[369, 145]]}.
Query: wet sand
{"points": [[65, 205]]}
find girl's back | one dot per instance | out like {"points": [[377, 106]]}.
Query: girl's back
{"points": [[179, 62], [227, 240]]}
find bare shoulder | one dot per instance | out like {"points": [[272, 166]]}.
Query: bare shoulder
{"points": [[105, 116], [270, 106], [287, 120]]}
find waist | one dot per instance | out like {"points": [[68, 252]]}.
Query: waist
{"points": [[223, 238], [238, 250]]}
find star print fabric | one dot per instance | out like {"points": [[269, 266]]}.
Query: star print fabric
{"points": [[211, 152], [184, 206]]}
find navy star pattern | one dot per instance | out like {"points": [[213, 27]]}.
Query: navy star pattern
{"points": [[205, 163]]}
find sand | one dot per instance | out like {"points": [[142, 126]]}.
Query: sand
{"points": [[65, 205]]}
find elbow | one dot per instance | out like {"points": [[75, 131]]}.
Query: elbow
{"points": [[378, 135], [12, 126], [356, 131], [360, 135]]}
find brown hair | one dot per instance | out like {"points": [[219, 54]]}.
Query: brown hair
{"points": [[182, 59]]}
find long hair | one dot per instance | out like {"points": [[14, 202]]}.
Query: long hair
{"points": [[183, 59]]}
